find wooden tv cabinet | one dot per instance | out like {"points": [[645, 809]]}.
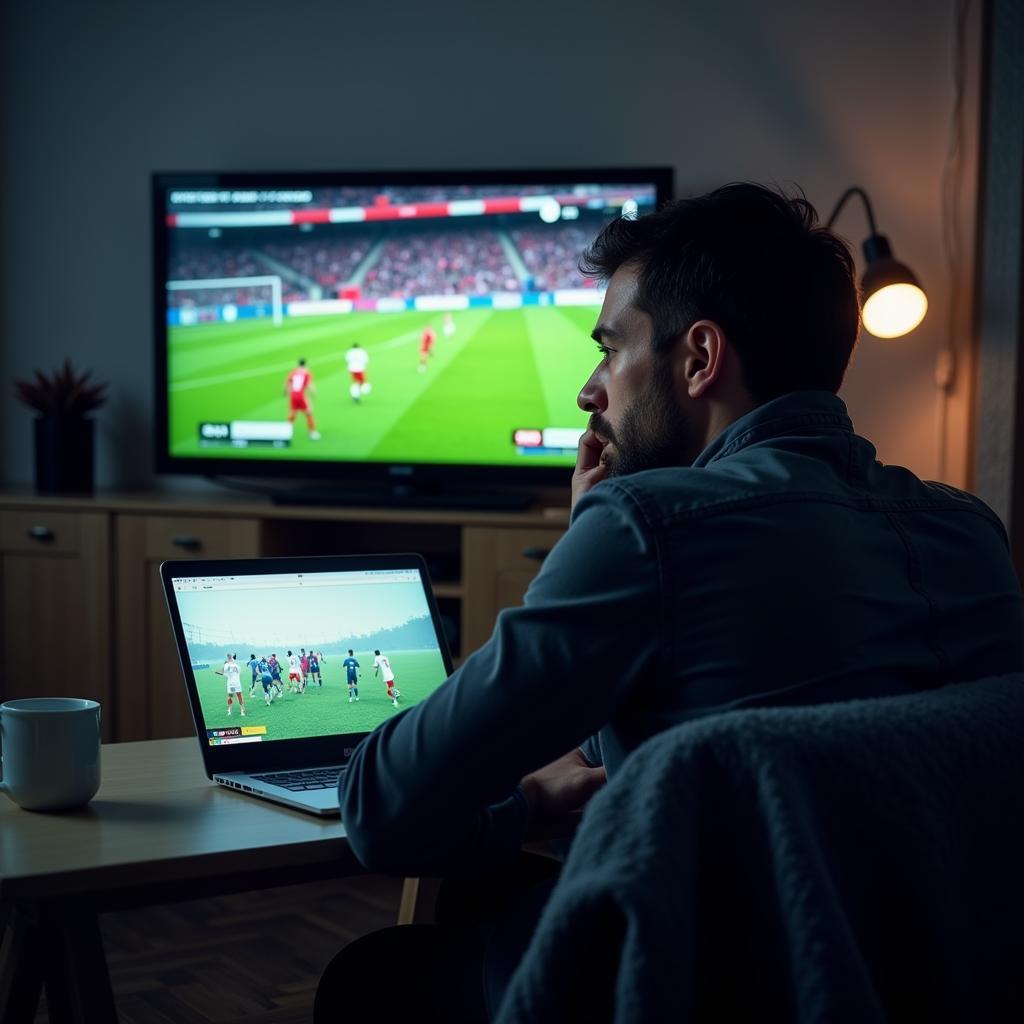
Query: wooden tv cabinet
{"points": [[83, 614]]}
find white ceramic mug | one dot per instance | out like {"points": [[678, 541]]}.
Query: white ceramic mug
{"points": [[51, 752]]}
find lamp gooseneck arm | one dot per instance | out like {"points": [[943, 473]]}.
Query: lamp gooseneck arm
{"points": [[855, 190]]}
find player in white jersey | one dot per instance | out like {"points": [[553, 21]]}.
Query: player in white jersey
{"points": [[448, 326], [294, 672], [232, 672], [357, 358], [382, 664]]}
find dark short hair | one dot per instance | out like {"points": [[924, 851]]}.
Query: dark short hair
{"points": [[376, 652], [756, 262], [350, 650]]}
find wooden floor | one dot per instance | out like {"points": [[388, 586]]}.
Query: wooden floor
{"points": [[253, 958]]}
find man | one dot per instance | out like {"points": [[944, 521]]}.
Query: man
{"points": [[275, 674], [314, 667], [351, 667], [382, 663], [294, 673], [304, 666], [357, 359], [733, 544], [267, 680], [427, 346], [254, 667], [232, 673], [298, 386]]}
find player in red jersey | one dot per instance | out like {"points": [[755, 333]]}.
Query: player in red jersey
{"points": [[426, 345], [298, 386]]}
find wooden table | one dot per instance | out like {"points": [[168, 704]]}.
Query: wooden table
{"points": [[157, 831]]}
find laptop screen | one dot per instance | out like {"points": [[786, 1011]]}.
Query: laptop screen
{"points": [[297, 655]]}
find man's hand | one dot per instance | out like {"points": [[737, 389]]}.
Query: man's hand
{"points": [[558, 792], [590, 470]]}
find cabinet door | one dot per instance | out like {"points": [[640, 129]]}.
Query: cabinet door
{"points": [[152, 701], [55, 582], [498, 566]]}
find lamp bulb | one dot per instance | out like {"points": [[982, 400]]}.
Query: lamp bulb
{"points": [[894, 310]]}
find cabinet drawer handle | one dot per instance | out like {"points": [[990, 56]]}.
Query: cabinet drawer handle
{"points": [[187, 543], [537, 554], [42, 533]]}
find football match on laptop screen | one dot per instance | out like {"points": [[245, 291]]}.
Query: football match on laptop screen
{"points": [[289, 656]]}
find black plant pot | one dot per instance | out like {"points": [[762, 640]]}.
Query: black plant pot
{"points": [[64, 455]]}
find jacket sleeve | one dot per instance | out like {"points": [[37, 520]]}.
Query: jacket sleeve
{"points": [[436, 789]]}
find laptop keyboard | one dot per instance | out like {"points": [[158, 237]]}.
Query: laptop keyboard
{"points": [[314, 778]]}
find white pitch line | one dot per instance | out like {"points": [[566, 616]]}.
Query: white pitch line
{"points": [[283, 368]]}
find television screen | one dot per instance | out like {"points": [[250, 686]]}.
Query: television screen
{"points": [[378, 321]]}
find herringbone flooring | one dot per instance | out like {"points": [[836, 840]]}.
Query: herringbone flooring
{"points": [[253, 958]]}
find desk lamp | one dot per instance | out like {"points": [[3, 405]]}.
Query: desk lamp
{"points": [[894, 301]]}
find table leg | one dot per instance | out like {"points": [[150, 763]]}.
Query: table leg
{"points": [[76, 977], [21, 969]]}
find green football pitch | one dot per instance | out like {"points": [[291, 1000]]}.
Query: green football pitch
{"points": [[500, 370], [324, 711]]}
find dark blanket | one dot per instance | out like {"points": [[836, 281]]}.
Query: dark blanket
{"points": [[853, 862]]}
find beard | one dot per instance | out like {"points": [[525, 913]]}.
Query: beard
{"points": [[654, 432]]}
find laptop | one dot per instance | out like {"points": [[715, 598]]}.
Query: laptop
{"points": [[290, 662]]}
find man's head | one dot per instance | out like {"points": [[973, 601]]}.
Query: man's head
{"points": [[302, 362], [350, 651], [376, 652], [715, 305]]}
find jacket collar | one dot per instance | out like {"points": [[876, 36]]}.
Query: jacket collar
{"points": [[784, 416]]}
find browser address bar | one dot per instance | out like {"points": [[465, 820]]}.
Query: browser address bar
{"points": [[309, 583]]}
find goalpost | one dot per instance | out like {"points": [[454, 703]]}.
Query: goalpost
{"points": [[236, 282]]}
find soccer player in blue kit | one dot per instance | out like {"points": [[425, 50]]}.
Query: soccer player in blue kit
{"points": [[314, 667], [254, 665], [351, 667]]}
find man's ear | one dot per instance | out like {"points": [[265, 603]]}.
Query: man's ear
{"points": [[702, 356]]}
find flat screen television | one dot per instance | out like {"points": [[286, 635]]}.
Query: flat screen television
{"points": [[412, 332]]}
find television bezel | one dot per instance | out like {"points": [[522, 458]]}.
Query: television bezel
{"points": [[464, 475]]}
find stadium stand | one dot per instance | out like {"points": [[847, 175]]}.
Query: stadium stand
{"points": [[391, 261], [441, 263], [329, 263], [204, 263], [551, 255]]}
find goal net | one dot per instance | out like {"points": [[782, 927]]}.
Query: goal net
{"points": [[227, 293]]}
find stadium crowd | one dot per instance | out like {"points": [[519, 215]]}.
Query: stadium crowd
{"points": [[205, 263], [551, 255], [441, 263], [453, 261], [329, 263]]}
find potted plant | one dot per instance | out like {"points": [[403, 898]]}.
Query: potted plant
{"points": [[63, 432]]}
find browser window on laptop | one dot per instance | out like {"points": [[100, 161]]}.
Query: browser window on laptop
{"points": [[292, 655]]}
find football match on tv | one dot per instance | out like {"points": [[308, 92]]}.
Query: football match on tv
{"points": [[424, 324], [286, 657]]}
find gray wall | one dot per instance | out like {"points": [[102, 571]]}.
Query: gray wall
{"points": [[97, 95]]}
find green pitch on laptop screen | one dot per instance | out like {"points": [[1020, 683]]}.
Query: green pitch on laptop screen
{"points": [[289, 656]]}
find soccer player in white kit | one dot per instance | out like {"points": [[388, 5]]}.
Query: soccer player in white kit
{"points": [[232, 672], [294, 672], [380, 661], [356, 358]]}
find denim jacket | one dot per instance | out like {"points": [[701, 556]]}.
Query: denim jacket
{"points": [[786, 566]]}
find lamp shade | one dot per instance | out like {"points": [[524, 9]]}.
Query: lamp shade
{"points": [[894, 301]]}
